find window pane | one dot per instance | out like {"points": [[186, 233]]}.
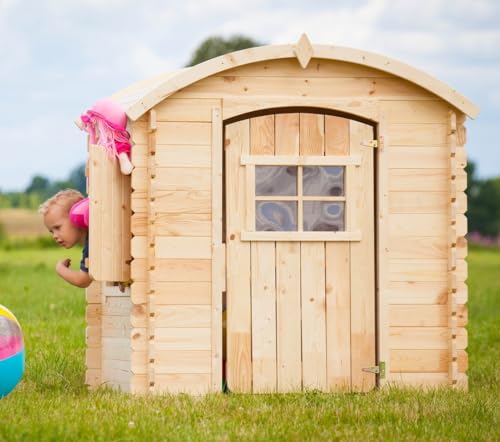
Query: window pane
{"points": [[323, 216], [276, 180], [323, 180], [275, 216]]}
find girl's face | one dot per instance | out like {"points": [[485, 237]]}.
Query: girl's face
{"points": [[64, 232]]}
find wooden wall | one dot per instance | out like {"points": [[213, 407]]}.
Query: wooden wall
{"points": [[109, 356], [421, 247], [172, 245], [419, 243]]}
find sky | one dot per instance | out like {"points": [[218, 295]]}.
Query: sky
{"points": [[59, 56]]}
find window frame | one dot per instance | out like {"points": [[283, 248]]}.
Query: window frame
{"points": [[250, 233]]}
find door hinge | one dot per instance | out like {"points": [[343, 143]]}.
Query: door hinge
{"points": [[377, 369], [371, 143]]}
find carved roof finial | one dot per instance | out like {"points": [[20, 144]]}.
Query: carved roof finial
{"points": [[303, 50]]}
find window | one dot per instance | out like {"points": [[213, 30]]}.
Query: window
{"points": [[320, 199], [298, 198]]}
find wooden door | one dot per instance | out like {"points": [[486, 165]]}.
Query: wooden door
{"points": [[300, 222]]}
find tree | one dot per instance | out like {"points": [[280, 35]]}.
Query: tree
{"points": [[39, 184], [216, 46], [483, 203], [78, 179]]}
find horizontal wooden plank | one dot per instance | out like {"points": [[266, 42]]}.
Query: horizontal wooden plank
{"points": [[418, 270], [173, 247], [461, 225], [461, 246], [183, 201], [423, 292], [110, 365], [183, 155], [183, 315], [234, 106], [173, 270], [139, 362], [119, 349], [93, 314], [415, 111], [139, 384], [289, 67], [183, 361], [139, 338], [461, 203], [421, 338], [116, 373], [418, 247], [183, 247], [424, 270], [174, 224], [172, 178], [461, 271], [400, 157], [182, 338], [188, 133], [93, 377], [188, 155], [139, 155], [419, 202], [138, 201], [117, 306], [421, 315], [93, 293], [301, 236], [93, 357], [422, 380], [222, 87], [420, 224], [177, 293], [461, 157], [112, 290], [404, 134], [93, 336], [186, 110], [138, 317], [116, 326], [434, 361], [174, 201], [418, 180], [461, 180], [309, 160], [190, 383]]}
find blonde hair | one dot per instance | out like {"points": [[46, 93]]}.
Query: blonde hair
{"points": [[64, 198]]}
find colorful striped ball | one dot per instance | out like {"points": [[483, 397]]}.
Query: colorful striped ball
{"points": [[11, 352]]}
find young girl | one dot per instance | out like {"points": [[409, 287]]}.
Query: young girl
{"points": [[56, 217]]}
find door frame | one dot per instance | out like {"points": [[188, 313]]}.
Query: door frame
{"points": [[234, 110]]}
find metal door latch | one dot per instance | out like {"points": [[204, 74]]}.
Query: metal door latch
{"points": [[371, 143], [377, 369]]}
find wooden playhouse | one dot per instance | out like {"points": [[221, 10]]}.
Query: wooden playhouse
{"points": [[318, 193]]}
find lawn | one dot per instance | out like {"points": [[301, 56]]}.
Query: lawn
{"points": [[51, 403]]}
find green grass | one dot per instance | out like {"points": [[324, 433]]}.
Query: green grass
{"points": [[51, 403]]}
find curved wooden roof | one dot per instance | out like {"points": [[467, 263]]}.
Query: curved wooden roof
{"points": [[141, 97]]}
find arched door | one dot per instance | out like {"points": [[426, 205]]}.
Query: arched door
{"points": [[299, 214]]}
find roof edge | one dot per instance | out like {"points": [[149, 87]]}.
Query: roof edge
{"points": [[254, 55]]}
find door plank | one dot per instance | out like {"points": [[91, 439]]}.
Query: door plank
{"points": [[288, 308], [239, 363], [338, 290], [362, 262], [312, 142]]}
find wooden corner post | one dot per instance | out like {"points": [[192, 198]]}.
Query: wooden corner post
{"points": [[151, 245]]}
